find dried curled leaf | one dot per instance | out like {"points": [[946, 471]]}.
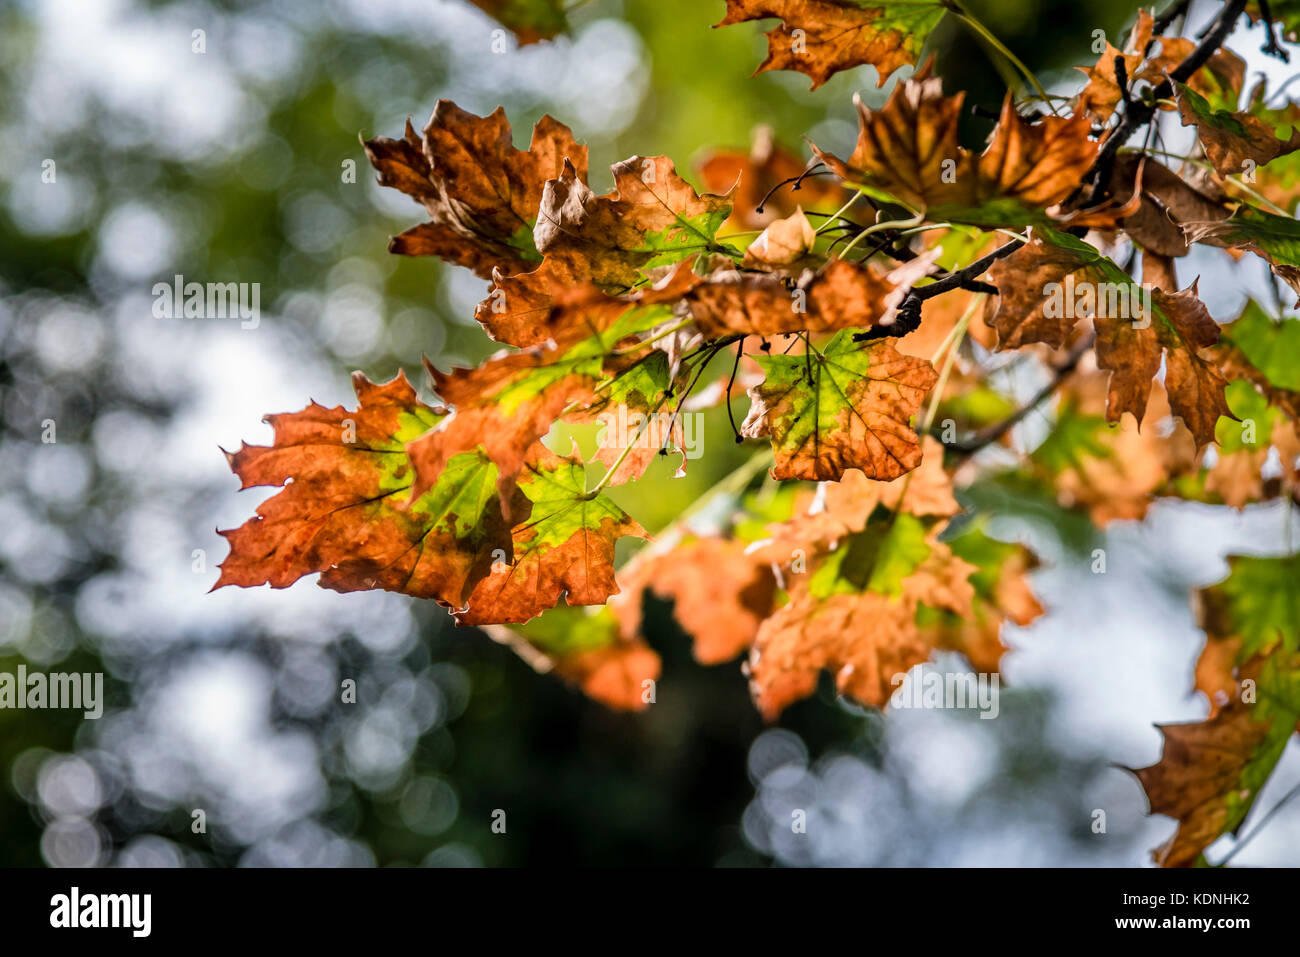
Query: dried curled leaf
{"points": [[1236, 141], [1275, 238], [482, 194], [652, 218], [909, 150], [1165, 201], [821, 37], [844, 406], [839, 295], [1148, 58]]}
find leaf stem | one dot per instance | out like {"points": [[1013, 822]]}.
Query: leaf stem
{"points": [[835, 216], [964, 14]]}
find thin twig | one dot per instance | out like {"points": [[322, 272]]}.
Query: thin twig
{"points": [[992, 433], [1140, 113]]}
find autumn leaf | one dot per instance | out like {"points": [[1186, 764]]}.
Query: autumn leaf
{"points": [[1166, 201], [529, 20], [821, 37], [1211, 772], [652, 218], [1002, 593], [512, 399], [721, 594], [844, 507], [583, 647], [1221, 77], [1275, 238], [1052, 282], [909, 151], [347, 511], [1265, 352], [518, 306], [482, 195], [1113, 471], [563, 546], [839, 295], [783, 243], [882, 602], [1235, 141], [630, 436], [846, 405]]}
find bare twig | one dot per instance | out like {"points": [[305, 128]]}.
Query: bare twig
{"points": [[1139, 114], [992, 433]]}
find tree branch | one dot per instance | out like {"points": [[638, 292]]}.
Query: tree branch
{"points": [[992, 433], [1140, 114], [909, 311]]}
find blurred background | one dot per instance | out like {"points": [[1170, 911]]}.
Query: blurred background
{"points": [[232, 165]]}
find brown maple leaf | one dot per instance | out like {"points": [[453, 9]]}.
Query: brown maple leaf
{"points": [[1237, 141], [821, 37], [1042, 274], [909, 148], [839, 295], [653, 217], [841, 508], [1166, 201], [721, 594], [1150, 62], [783, 244], [865, 639], [1201, 777], [482, 194]]}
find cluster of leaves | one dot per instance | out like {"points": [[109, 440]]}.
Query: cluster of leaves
{"points": [[892, 288]]}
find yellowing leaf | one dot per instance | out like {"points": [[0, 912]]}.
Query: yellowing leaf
{"points": [[347, 509], [563, 546], [844, 406]]}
